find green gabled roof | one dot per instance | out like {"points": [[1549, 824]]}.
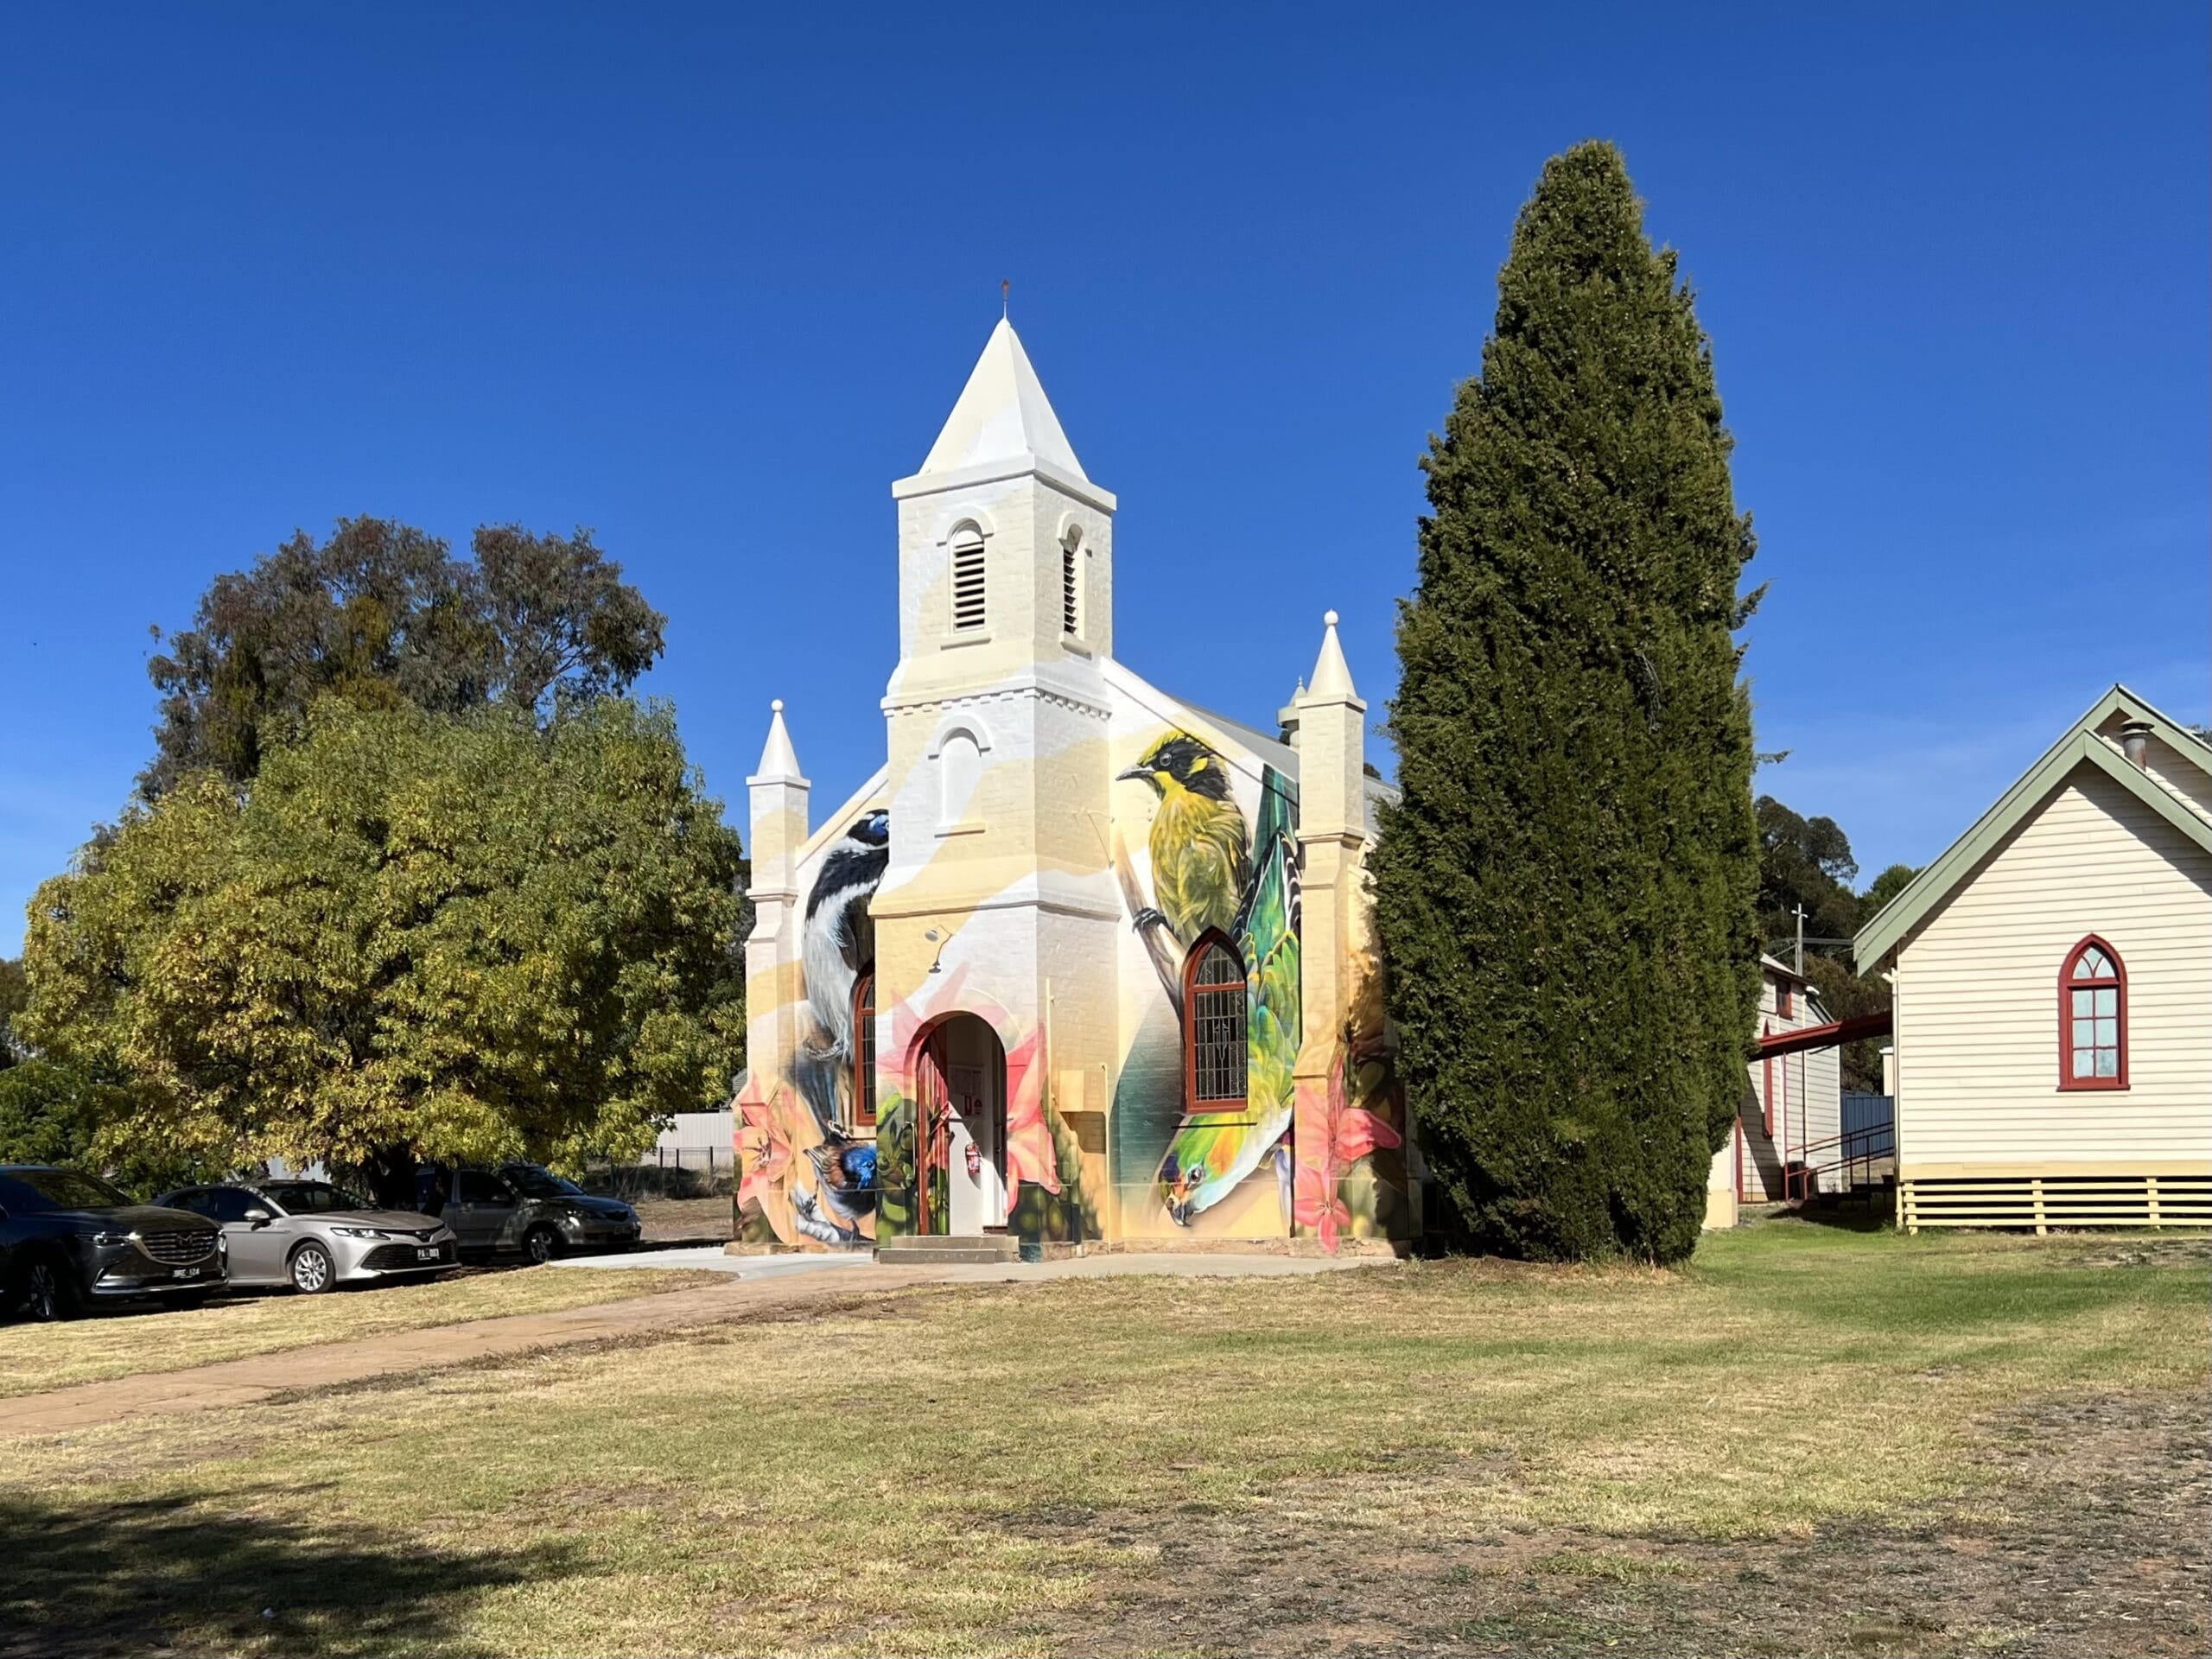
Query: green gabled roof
{"points": [[2081, 746]]}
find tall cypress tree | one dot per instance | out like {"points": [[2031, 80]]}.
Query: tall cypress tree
{"points": [[1565, 894]]}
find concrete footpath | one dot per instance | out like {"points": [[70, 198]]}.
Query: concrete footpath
{"points": [[757, 1285]]}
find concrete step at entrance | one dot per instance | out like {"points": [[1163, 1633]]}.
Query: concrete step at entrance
{"points": [[914, 1251]]}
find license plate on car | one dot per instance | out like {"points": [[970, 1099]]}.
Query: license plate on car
{"points": [[426, 1252], [184, 1273]]}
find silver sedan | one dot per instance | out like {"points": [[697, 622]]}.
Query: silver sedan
{"points": [[312, 1236]]}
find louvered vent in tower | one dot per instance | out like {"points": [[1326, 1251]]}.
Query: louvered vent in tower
{"points": [[968, 579], [1071, 582]]}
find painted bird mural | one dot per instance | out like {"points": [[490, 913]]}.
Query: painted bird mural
{"points": [[1201, 850], [1204, 875], [1211, 1154], [828, 1211], [834, 945]]}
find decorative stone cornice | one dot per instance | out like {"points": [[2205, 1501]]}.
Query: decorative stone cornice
{"points": [[1016, 692]]}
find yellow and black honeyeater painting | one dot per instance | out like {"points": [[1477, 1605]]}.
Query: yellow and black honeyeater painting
{"points": [[1201, 847]]}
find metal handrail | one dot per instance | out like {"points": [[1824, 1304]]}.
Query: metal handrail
{"points": [[1859, 1148]]}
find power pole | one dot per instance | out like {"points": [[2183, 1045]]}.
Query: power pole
{"points": [[1800, 939]]}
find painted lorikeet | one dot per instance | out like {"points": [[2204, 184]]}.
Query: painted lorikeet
{"points": [[1211, 1154]]}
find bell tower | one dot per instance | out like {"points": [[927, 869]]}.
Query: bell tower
{"points": [[1005, 547], [997, 713]]}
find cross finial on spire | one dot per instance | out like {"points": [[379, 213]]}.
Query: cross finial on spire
{"points": [[1003, 412], [1006, 298]]}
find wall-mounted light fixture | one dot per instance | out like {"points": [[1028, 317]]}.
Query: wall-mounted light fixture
{"points": [[937, 964]]}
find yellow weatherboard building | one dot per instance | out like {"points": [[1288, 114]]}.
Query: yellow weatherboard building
{"points": [[1082, 963]]}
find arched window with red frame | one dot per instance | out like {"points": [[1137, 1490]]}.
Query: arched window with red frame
{"points": [[864, 1048], [1215, 1053], [2093, 1017]]}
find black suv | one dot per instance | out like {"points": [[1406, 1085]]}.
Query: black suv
{"points": [[522, 1207], [68, 1238]]}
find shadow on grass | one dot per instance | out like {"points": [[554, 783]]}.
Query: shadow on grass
{"points": [[125, 1578], [1845, 1217]]}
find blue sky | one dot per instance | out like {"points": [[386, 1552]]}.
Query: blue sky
{"points": [[708, 279]]}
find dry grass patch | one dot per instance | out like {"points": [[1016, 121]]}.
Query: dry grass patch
{"points": [[1456, 1455], [129, 1343]]}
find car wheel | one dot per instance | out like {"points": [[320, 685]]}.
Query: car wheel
{"points": [[50, 1291], [313, 1271], [541, 1244]]}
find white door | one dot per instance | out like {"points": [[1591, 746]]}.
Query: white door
{"points": [[977, 1175]]}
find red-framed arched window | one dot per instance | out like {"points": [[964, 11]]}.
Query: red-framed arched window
{"points": [[864, 1047], [1214, 1048], [2093, 1017]]}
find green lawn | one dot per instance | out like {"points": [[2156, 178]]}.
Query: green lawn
{"points": [[1812, 1440], [125, 1342]]}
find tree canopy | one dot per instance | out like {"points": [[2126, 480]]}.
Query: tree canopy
{"points": [[1884, 887], [415, 937], [15, 991], [1565, 892], [1804, 862], [1808, 862], [52, 1114], [382, 614]]}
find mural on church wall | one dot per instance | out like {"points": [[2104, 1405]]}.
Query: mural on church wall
{"points": [[1217, 872], [803, 1173], [1351, 1178], [808, 1175], [1201, 845], [1044, 1194], [1331, 1159]]}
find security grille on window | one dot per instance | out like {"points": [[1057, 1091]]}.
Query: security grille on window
{"points": [[864, 1048], [1215, 1030], [968, 580], [1070, 581]]}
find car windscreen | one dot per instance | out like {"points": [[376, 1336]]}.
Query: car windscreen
{"points": [[534, 1183], [310, 1198], [71, 1189]]}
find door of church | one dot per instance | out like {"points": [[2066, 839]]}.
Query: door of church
{"points": [[961, 1090]]}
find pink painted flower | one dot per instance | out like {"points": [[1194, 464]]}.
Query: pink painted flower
{"points": [[1345, 1135], [763, 1151], [1360, 1131], [1314, 1204], [1030, 1154]]}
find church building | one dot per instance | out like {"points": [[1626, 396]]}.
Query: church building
{"points": [[1081, 964]]}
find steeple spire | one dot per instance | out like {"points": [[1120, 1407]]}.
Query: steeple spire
{"points": [[1002, 414], [778, 761], [1331, 674]]}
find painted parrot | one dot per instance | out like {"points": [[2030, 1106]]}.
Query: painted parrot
{"points": [[1209, 1155], [1201, 851]]}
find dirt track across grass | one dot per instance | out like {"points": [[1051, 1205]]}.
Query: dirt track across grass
{"points": [[37, 1359], [673, 1301], [247, 1382]]}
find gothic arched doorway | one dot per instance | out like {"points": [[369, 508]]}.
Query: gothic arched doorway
{"points": [[960, 1086]]}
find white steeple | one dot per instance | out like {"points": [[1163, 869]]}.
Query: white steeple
{"points": [[778, 761], [1002, 414], [1331, 674]]}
